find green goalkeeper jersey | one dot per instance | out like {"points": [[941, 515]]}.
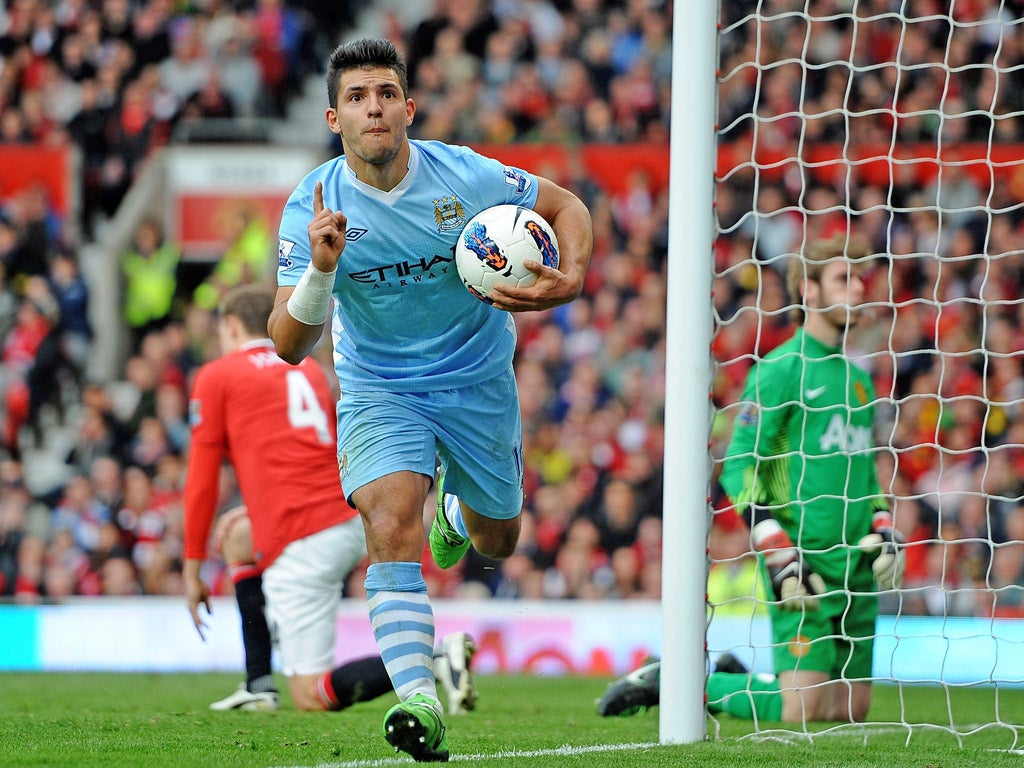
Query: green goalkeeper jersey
{"points": [[802, 448]]}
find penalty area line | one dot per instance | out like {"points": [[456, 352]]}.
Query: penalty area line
{"points": [[566, 750]]}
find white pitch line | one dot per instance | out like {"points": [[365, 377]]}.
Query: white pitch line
{"points": [[565, 750]]}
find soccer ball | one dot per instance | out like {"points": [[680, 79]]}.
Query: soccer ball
{"points": [[494, 244]]}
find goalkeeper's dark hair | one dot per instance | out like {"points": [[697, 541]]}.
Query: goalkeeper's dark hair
{"points": [[812, 260], [252, 305], [367, 53]]}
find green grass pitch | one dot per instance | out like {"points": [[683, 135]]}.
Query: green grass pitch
{"points": [[118, 720]]}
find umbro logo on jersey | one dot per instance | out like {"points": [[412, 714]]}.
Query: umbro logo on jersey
{"points": [[812, 394], [354, 233]]}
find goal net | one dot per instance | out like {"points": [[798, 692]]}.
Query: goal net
{"points": [[900, 122]]}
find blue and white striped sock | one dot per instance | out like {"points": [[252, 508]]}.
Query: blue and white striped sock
{"points": [[403, 624]]}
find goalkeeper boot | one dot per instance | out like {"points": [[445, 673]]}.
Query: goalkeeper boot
{"points": [[415, 727], [452, 658], [730, 665], [635, 692], [447, 545], [245, 700]]}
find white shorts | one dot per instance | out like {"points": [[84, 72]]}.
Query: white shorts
{"points": [[303, 591]]}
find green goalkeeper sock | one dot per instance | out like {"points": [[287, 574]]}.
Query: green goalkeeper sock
{"points": [[745, 696]]}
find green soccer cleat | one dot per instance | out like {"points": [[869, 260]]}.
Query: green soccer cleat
{"points": [[447, 545], [415, 727]]}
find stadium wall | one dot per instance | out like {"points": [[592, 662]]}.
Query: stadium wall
{"points": [[155, 634]]}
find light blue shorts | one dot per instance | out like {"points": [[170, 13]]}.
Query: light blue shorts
{"points": [[474, 432]]}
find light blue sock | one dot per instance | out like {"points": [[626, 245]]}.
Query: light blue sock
{"points": [[453, 511], [403, 624]]}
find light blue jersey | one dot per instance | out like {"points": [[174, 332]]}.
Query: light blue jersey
{"points": [[403, 321]]}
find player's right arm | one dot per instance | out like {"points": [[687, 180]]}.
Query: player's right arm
{"points": [[201, 494], [301, 311], [758, 483], [751, 474]]}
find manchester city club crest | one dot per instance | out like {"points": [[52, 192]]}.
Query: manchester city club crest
{"points": [[449, 213]]}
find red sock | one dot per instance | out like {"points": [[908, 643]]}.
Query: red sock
{"points": [[325, 692]]}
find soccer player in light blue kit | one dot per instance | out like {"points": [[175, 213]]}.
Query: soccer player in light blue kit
{"points": [[425, 369]]}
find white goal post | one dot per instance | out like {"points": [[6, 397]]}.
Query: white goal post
{"points": [[688, 370], [902, 122]]}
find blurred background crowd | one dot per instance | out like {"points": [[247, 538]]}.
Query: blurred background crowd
{"points": [[122, 78]]}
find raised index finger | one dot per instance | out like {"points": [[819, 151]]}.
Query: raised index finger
{"points": [[318, 197]]}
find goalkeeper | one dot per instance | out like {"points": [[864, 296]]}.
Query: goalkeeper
{"points": [[801, 469]]}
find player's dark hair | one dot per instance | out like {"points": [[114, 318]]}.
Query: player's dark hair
{"points": [[811, 261], [252, 304], [365, 54]]}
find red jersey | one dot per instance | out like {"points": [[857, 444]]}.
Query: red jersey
{"points": [[275, 423]]}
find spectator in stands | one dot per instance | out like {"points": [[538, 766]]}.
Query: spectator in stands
{"points": [[17, 542], [150, 36], [156, 349], [95, 438], [88, 129], [71, 291], [133, 132], [53, 374], [282, 50], [172, 411], [73, 59], [107, 478], [8, 299], [13, 127], [12, 521], [149, 445], [211, 101], [472, 19], [617, 517], [189, 66], [581, 568], [143, 374], [65, 566], [37, 226], [248, 257], [81, 514], [150, 271], [35, 320], [119, 577]]}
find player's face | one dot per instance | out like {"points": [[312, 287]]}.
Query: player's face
{"points": [[372, 116], [837, 294]]}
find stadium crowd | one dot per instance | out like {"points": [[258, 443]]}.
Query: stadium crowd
{"points": [[116, 78]]}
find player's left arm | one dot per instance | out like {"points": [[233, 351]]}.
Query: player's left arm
{"points": [[574, 231], [885, 543]]}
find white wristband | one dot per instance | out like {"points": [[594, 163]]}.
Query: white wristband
{"points": [[310, 302]]}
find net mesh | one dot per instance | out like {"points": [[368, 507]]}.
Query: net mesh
{"points": [[902, 124]]}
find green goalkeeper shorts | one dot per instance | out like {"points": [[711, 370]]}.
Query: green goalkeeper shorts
{"points": [[837, 639]]}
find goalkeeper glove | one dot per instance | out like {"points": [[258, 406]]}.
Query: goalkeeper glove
{"points": [[796, 587], [885, 544]]}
